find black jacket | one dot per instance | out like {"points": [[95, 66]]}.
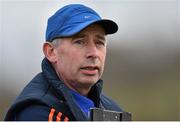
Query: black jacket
{"points": [[48, 90]]}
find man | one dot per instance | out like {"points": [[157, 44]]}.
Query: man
{"points": [[69, 84]]}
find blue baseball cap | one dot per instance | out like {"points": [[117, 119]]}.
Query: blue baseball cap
{"points": [[73, 18]]}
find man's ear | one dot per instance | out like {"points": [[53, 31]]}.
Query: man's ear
{"points": [[49, 52]]}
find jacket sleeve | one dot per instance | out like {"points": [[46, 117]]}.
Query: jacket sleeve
{"points": [[39, 113]]}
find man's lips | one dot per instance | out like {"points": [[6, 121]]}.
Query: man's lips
{"points": [[90, 70]]}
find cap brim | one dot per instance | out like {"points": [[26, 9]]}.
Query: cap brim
{"points": [[109, 26]]}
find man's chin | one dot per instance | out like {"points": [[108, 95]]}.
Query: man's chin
{"points": [[89, 81]]}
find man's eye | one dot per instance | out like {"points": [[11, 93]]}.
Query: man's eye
{"points": [[79, 41], [100, 43]]}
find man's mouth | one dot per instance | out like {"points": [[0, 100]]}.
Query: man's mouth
{"points": [[90, 70]]}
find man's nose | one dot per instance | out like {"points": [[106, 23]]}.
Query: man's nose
{"points": [[92, 51]]}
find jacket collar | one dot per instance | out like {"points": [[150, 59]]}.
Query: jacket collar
{"points": [[62, 89]]}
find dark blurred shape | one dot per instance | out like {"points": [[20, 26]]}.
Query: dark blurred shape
{"points": [[98, 114]]}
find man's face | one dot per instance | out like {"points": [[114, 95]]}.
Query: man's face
{"points": [[80, 59]]}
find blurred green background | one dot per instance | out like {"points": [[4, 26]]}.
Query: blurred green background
{"points": [[142, 70], [148, 93]]}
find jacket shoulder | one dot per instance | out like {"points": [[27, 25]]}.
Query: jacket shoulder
{"points": [[109, 104], [38, 91]]}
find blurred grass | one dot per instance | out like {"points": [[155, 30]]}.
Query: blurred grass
{"points": [[148, 95], [147, 102]]}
